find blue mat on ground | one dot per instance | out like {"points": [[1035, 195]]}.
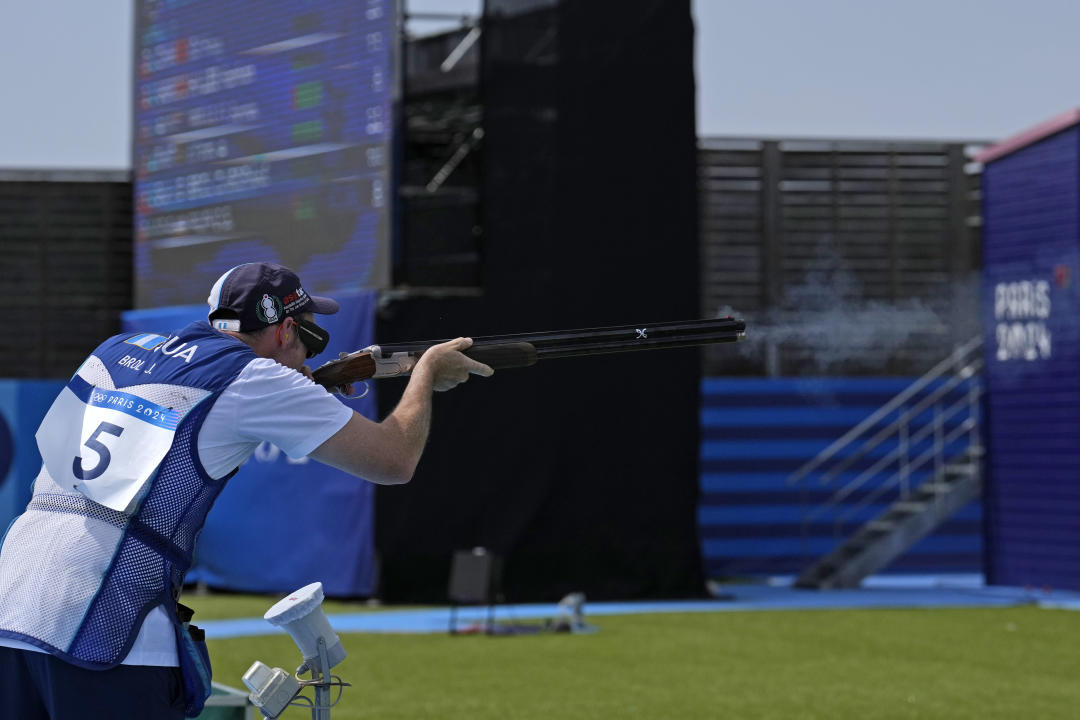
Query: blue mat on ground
{"points": [[882, 593]]}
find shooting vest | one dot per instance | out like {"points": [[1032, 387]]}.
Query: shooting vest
{"points": [[122, 496]]}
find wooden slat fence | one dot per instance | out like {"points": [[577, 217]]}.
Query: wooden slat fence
{"points": [[66, 254], [844, 256]]}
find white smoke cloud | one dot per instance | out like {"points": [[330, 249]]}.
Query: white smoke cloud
{"points": [[827, 317]]}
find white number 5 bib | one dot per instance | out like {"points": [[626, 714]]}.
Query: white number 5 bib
{"points": [[105, 444]]}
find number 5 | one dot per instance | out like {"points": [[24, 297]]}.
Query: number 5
{"points": [[104, 456]]}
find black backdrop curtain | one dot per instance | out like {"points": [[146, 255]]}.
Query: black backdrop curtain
{"points": [[581, 474]]}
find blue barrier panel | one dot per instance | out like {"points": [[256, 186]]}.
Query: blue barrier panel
{"points": [[23, 403], [757, 431], [282, 523]]}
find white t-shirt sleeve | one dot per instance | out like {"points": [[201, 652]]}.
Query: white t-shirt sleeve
{"points": [[272, 403]]}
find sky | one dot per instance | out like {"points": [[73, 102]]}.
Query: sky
{"points": [[942, 69]]}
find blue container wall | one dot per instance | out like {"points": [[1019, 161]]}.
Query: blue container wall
{"points": [[757, 431], [1030, 304]]}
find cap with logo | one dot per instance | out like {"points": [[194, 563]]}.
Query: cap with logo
{"points": [[257, 295]]}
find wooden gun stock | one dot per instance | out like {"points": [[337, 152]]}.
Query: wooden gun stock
{"points": [[354, 367]]}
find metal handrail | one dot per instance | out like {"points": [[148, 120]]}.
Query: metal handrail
{"points": [[901, 422], [963, 364], [861, 479], [925, 456], [957, 357]]}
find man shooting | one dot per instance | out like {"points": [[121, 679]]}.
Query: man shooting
{"points": [[135, 450]]}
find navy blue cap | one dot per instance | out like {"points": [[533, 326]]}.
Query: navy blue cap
{"points": [[257, 295]]}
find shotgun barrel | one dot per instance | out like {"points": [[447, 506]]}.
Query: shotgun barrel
{"points": [[525, 349], [597, 341]]}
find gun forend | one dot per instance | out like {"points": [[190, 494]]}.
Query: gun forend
{"points": [[393, 361], [375, 362]]}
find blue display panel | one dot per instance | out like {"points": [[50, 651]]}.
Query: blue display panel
{"points": [[262, 132]]}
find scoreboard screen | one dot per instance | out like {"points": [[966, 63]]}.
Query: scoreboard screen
{"points": [[262, 131]]}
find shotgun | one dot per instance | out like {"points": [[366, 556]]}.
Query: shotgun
{"points": [[525, 349]]}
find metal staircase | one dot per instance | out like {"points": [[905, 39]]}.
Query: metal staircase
{"points": [[930, 429]]}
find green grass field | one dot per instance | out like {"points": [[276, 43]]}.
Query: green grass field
{"points": [[977, 663]]}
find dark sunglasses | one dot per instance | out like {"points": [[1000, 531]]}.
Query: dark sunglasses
{"points": [[314, 337]]}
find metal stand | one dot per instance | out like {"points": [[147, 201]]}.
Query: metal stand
{"points": [[319, 667], [321, 709], [489, 625]]}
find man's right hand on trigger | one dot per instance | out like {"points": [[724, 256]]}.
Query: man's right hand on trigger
{"points": [[449, 367]]}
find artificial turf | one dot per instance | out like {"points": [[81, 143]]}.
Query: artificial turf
{"points": [[952, 663]]}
